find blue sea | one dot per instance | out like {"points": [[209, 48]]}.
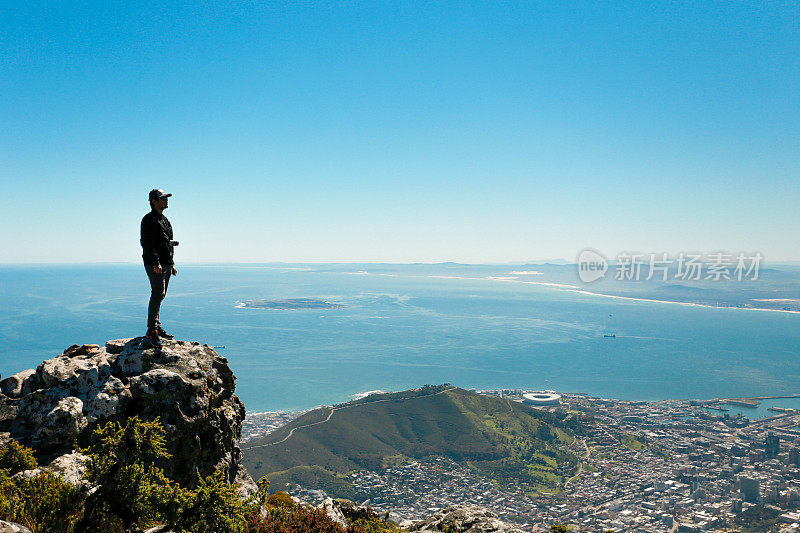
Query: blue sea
{"points": [[405, 326]]}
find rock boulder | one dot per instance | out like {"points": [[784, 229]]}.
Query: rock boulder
{"points": [[188, 386], [467, 519]]}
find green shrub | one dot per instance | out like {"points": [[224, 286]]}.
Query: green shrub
{"points": [[11, 499], [376, 525], [300, 520], [123, 464], [15, 457], [50, 504], [263, 489], [215, 507], [280, 500], [451, 527], [126, 463], [43, 503], [137, 441]]}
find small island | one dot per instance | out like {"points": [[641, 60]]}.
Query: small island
{"points": [[290, 303]]}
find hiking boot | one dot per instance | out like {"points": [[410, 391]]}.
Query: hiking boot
{"points": [[163, 334], [153, 337]]}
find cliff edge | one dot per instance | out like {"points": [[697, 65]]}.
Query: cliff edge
{"points": [[188, 386]]}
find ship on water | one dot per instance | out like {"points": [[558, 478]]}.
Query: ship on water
{"points": [[609, 332]]}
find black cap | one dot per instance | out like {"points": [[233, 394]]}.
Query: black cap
{"points": [[158, 193]]}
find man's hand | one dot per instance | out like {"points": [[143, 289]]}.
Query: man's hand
{"points": [[174, 271], [157, 269]]}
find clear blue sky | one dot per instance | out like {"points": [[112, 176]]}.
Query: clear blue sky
{"points": [[400, 131]]}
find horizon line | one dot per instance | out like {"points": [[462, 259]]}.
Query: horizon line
{"points": [[555, 262]]}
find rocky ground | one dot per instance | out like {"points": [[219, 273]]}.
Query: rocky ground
{"points": [[188, 386]]}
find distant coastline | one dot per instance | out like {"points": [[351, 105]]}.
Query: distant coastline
{"points": [[579, 290], [692, 304]]}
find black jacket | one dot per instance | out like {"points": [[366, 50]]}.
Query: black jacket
{"points": [[156, 238]]}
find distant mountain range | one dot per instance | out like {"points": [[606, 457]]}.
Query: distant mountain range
{"points": [[503, 440]]}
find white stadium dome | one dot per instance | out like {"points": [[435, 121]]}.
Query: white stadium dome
{"points": [[545, 397]]}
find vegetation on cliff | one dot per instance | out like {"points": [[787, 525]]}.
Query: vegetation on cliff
{"points": [[126, 487]]}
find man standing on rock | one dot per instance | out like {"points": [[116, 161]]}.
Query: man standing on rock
{"points": [[157, 252]]}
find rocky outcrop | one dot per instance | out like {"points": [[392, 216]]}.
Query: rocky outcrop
{"points": [[332, 509], [345, 512], [11, 527], [188, 386], [466, 518], [70, 467]]}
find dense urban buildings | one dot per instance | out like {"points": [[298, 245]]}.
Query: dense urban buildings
{"points": [[644, 466]]}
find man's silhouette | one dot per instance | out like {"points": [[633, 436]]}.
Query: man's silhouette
{"points": [[157, 253]]}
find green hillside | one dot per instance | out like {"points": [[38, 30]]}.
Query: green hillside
{"points": [[501, 439]]}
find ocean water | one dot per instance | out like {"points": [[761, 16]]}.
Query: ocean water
{"points": [[405, 326]]}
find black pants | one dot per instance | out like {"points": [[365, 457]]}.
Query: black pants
{"points": [[158, 290]]}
